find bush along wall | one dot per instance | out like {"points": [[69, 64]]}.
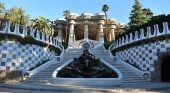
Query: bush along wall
{"points": [[65, 44], [107, 45]]}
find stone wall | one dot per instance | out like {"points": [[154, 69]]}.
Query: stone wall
{"points": [[10, 76], [148, 57], [15, 56]]}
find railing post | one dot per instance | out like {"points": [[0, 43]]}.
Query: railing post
{"points": [[127, 39], [165, 28], [32, 32]]}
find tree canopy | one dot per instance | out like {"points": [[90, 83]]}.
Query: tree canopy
{"points": [[138, 15], [18, 15], [42, 24], [14, 14]]}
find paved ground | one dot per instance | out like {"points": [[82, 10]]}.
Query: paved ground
{"points": [[7, 90], [67, 88]]}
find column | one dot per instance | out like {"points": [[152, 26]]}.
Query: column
{"points": [[101, 35], [112, 30], [59, 28], [97, 36], [109, 36], [112, 34], [86, 32], [71, 35], [60, 34]]}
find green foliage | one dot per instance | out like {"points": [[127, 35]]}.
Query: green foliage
{"points": [[63, 71], [107, 44], [139, 16], [113, 53], [32, 68], [27, 40], [2, 37], [42, 24], [14, 14], [105, 8], [65, 44], [56, 50], [109, 72], [159, 19]]}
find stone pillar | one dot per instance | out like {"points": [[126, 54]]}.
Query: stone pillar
{"points": [[86, 32], [71, 35], [59, 26], [97, 36], [112, 30], [101, 35], [60, 34], [109, 36]]}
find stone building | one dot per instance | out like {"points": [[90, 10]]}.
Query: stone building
{"points": [[87, 27]]}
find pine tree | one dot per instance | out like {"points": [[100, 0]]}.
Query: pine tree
{"points": [[139, 16]]}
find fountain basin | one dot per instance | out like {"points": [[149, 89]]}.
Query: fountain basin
{"points": [[86, 81]]}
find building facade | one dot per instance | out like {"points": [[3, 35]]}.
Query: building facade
{"points": [[87, 27]]}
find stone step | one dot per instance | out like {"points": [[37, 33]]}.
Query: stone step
{"points": [[38, 80], [45, 75]]}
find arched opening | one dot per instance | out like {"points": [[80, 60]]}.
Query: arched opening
{"points": [[165, 69]]}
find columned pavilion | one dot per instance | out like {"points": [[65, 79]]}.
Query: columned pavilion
{"points": [[87, 27]]}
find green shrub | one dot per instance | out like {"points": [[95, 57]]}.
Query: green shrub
{"points": [[107, 44], [27, 40], [65, 44], [2, 37], [32, 68]]}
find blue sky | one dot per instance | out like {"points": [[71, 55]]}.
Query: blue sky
{"points": [[119, 9]]}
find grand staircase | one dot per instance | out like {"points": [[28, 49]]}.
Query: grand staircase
{"points": [[45, 75], [128, 75]]}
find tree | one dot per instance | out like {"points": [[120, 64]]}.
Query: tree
{"points": [[105, 8], [14, 14], [3, 11], [139, 16], [148, 13], [67, 15], [42, 24], [18, 15]]}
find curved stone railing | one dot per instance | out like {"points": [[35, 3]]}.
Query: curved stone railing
{"points": [[130, 38], [35, 34]]}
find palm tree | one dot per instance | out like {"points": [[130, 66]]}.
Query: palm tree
{"points": [[42, 24], [66, 14], [105, 8]]}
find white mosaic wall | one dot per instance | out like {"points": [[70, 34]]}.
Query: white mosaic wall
{"points": [[145, 55], [14, 56]]}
